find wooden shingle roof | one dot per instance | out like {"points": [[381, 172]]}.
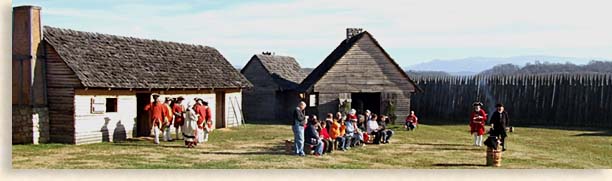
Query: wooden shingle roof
{"points": [[307, 84], [109, 61], [285, 70]]}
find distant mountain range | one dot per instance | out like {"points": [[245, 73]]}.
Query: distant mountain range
{"points": [[474, 65]]}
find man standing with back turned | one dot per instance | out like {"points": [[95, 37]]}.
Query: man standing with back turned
{"points": [[157, 111]]}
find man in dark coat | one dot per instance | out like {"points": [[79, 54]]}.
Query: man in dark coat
{"points": [[499, 122], [312, 136], [299, 120]]}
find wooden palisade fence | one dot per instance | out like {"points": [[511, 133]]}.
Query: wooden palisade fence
{"points": [[583, 100]]}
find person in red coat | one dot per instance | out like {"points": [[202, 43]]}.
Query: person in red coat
{"points": [[177, 110], [204, 120], [328, 143], [201, 112], [207, 120], [411, 121], [157, 113], [478, 119]]}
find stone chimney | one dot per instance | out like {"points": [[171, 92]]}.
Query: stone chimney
{"points": [[351, 32], [27, 34], [30, 120]]}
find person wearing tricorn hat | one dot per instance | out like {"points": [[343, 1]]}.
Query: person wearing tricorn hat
{"points": [[204, 119], [201, 112], [499, 121], [477, 123], [207, 120], [177, 110], [157, 111]]}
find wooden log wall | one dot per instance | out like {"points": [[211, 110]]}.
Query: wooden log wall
{"points": [[61, 81], [581, 100]]}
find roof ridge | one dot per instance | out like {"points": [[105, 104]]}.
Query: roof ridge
{"points": [[329, 61], [72, 31], [104, 60], [337, 54]]}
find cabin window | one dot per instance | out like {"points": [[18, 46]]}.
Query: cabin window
{"points": [[98, 105], [312, 101], [111, 104]]}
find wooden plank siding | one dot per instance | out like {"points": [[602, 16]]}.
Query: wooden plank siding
{"points": [[286, 103], [260, 101], [109, 126], [232, 103], [364, 68], [120, 125], [60, 97]]}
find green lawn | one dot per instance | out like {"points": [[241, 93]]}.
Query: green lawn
{"points": [[262, 146]]}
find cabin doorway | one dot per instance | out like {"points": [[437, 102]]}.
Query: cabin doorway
{"points": [[220, 110], [366, 101], [143, 125]]}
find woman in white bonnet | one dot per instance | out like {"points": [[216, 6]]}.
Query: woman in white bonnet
{"points": [[190, 125]]}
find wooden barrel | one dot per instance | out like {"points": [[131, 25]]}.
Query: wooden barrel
{"points": [[494, 157]]}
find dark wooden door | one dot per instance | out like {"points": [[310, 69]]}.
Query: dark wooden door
{"points": [[143, 124], [220, 110]]}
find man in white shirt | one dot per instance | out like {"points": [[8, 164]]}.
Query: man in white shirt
{"points": [[373, 129]]}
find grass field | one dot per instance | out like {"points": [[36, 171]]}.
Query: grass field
{"points": [[262, 146]]}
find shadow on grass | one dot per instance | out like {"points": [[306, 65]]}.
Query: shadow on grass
{"points": [[567, 128], [244, 153], [269, 123], [459, 165], [261, 150], [148, 145], [442, 122], [447, 146], [599, 133], [440, 144], [148, 142], [470, 149]]}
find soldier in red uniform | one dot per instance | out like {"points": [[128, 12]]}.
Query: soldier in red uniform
{"points": [[208, 120], [478, 119], [157, 111], [177, 110], [200, 110]]}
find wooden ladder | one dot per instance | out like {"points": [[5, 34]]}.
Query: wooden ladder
{"points": [[242, 121]]}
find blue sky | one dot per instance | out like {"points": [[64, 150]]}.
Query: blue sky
{"points": [[411, 31]]}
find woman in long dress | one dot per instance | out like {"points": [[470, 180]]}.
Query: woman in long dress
{"points": [[190, 126], [477, 123]]}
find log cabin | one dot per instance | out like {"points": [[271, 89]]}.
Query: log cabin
{"points": [[361, 73], [273, 95], [80, 87]]}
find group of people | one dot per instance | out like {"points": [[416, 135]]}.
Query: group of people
{"points": [[499, 122], [340, 131], [337, 132], [343, 131], [193, 119]]}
